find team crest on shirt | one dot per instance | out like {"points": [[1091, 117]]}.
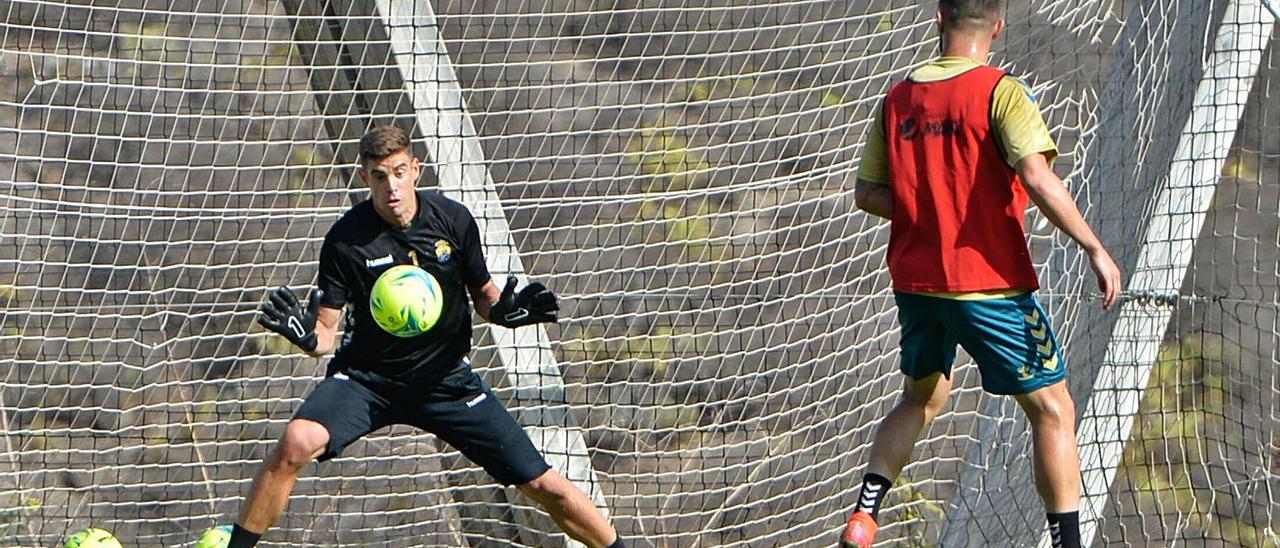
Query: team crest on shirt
{"points": [[444, 251]]}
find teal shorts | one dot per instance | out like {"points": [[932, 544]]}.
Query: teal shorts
{"points": [[1009, 338]]}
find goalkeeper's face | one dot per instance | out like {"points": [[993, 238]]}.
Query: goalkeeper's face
{"points": [[390, 181]]}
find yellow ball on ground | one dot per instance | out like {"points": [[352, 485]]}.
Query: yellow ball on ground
{"points": [[406, 301], [216, 537], [93, 538]]}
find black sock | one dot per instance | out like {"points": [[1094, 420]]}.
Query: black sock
{"points": [[243, 538], [618, 543], [1064, 529], [874, 488]]}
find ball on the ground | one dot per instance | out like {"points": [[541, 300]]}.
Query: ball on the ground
{"points": [[406, 301], [216, 537], [92, 538]]}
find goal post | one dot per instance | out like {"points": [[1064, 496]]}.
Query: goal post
{"points": [[1176, 223]]}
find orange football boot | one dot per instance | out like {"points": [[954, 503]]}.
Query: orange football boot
{"points": [[860, 532]]}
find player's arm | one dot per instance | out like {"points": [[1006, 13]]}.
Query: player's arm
{"points": [[505, 307], [326, 330], [1051, 196], [312, 328], [509, 308], [874, 198], [484, 297], [1030, 150], [872, 193]]}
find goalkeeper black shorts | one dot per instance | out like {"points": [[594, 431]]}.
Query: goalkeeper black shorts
{"points": [[471, 420]]}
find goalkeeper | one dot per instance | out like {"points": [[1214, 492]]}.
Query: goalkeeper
{"points": [[377, 379], [957, 149]]}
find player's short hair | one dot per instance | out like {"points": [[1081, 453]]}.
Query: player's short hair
{"points": [[971, 14], [383, 141]]}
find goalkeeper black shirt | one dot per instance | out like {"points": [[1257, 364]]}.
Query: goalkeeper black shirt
{"points": [[444, 240]]}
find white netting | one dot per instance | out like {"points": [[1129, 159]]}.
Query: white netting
{"points": [[681, 174]]}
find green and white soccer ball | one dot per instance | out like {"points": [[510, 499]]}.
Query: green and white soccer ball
{"points": [[92, 538], [217, 537], [406, 301]]}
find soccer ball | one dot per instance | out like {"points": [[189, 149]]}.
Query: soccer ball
{"points": [[217, 537], [406, 301], [93, 538]]}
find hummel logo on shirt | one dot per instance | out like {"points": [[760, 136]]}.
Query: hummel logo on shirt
{"points": [[912, 129], [380, 261]]}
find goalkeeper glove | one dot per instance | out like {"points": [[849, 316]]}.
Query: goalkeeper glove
{"points": [[533, 304], [283, 314]]}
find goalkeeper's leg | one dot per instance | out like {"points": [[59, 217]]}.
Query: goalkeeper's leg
{"points": [[1052, 415], [471, 418], [302, 442], [895, 438], [339, 411], [572, 510]]}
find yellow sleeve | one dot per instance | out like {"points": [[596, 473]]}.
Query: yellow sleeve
{"points": [[874, 166], [1018, 122]]}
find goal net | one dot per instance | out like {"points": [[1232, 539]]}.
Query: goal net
{"points": [[681, 174]]}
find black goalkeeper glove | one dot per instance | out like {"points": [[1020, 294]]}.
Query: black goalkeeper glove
{"points": [[533, 304], [283, 314]]}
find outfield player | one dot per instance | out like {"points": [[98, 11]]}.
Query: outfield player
{"points": [[956, 150], [376, 379]]}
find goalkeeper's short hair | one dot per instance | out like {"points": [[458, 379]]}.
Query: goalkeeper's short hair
{"points": [[383, 141]]}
